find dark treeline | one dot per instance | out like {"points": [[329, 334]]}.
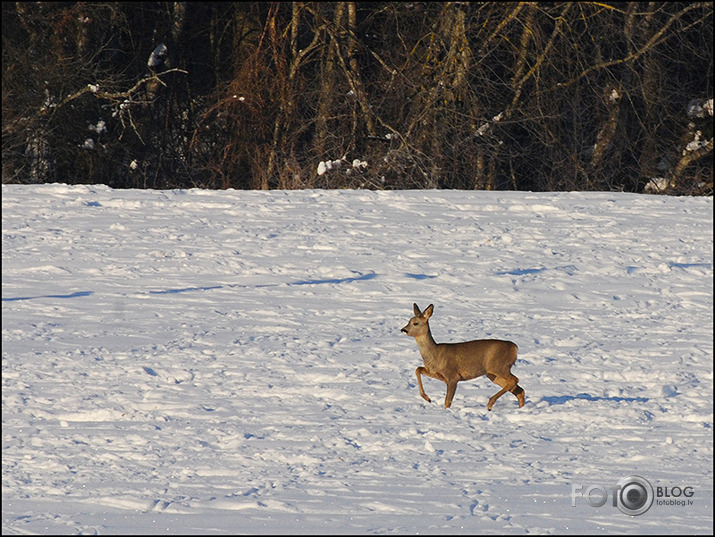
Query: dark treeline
{"points": [[487, 95]]}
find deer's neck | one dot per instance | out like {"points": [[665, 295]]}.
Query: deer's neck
{"points": [[428, 347]]}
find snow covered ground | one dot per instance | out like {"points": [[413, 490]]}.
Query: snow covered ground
{"points": [[231, 362]]}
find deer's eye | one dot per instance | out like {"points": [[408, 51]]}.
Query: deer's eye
{"points": [[415, 323]]}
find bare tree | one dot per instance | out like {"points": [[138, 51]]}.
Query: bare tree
{"points": [[490, 95]]}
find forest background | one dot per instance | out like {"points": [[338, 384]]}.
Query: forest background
{"points": [[380, 95]]}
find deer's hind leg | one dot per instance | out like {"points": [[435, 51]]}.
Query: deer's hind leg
{"points": [[519, 393], [508, 384]]}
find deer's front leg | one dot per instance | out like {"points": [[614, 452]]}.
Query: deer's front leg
{"points": [[419, 372], [451, 388]]}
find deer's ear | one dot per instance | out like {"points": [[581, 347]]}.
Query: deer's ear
{"points": [[416, 309], [428, 312]]}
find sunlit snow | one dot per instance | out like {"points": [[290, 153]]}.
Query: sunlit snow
{"points": [[231, 362]]}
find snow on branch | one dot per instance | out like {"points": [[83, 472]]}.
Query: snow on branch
{"points": [[96, 90]]}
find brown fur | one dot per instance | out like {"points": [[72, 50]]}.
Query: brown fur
{"points": [[454, 362]]}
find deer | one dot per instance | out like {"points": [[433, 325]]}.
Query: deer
{"points": [[454, 362]]}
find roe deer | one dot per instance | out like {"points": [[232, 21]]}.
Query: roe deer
{"points": [[452, 362]]}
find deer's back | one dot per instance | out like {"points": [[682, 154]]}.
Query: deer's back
{"points": [[475, 358]]}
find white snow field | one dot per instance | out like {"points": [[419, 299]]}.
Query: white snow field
{"points": [[228, 362]]}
